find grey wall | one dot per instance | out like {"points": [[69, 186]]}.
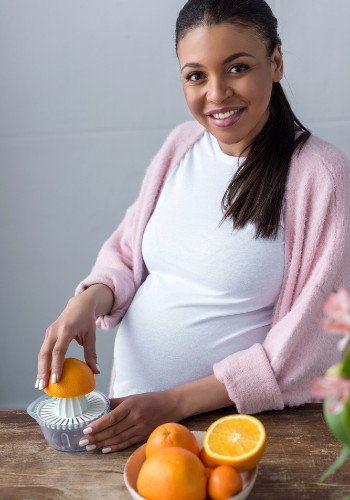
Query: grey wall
{"points": [[88, 91]]}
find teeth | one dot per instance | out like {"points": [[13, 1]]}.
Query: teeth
{"points": [[221, 116]]}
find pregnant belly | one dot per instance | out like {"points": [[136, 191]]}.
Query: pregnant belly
{"points": [[171, 335]]}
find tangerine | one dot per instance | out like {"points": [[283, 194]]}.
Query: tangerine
{"points": [[224, 482], [172, 473], [171, 434]]}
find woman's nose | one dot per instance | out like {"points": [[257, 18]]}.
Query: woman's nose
{"points": [[218, 91]]}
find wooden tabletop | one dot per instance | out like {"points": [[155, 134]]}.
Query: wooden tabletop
{"points": [[299, 448]]}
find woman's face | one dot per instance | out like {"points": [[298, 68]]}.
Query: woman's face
{"points": [[227, 81]]}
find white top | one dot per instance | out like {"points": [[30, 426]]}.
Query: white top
{"points": [[211, 289]]}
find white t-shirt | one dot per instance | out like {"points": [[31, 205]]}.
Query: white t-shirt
{"points": [[211, 289]]}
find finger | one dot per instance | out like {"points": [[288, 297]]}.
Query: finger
{"points": [[117, 441], [90, 352], [107, 434], [79, 339], [110, 420], [44, 358], [58, 354]]}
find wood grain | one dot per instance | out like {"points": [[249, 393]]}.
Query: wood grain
{"points": [[300, 447]]}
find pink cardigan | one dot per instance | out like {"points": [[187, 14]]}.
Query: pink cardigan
{"points": [[276, 373]]}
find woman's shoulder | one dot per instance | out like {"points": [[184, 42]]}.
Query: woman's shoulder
{"points": [[319, 172], [317, 157]]}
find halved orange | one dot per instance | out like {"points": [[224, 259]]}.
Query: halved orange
{"points": [[237, 440], [77, 379]]}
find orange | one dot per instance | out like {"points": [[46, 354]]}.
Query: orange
{"points": [[172, 474], [237, 440], [207, 461], [224, 482], [171, 434], [208, 471], [77, 379]]}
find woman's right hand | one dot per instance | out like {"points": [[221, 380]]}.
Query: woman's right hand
{"points": [[77, 322]]}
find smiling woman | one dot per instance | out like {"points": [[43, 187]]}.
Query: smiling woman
{"points": [[226, 90], [218, 272]]}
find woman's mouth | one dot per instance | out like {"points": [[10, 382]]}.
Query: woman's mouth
{"points": [[226, 119]]}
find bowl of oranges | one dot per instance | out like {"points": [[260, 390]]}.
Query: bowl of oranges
{"points": [[178, 464]]}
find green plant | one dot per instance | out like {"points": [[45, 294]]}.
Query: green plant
{"points": [[334, 387]]}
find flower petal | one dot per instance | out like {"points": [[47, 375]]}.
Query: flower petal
{"points": [[342, 344]]}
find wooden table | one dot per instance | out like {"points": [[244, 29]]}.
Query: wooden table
{"points": [[300, 447]]}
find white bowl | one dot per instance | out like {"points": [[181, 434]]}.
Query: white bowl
{"points": [[133, 466]]}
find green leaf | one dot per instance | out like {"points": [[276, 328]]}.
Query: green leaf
{"points": [[338, 462], [345, 365], [347, 416], [338, 423]]}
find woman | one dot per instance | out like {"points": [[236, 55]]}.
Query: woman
{"points": [[218, 272]]}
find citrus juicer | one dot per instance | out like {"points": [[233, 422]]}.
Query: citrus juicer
{"points": [[62, 419]]}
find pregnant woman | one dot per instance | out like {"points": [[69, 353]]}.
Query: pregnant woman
{"points": [[217, 274]]}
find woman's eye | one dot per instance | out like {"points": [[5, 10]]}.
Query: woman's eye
{"points": [[194, 77], [238, 68]]}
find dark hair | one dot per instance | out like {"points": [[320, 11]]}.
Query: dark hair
{"points": [[255, 193]]}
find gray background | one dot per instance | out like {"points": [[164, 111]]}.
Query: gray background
{"points": [[89, 89]]}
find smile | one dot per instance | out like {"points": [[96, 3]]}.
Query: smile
{"points": [[227, 118], [222, 116]]}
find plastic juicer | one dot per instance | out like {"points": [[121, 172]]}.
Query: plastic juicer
{"points": [[62, 420]]}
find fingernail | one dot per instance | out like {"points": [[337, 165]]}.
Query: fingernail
{"points": [[106, 450], [84, 442], [37, 383], [54, 378], [41, 384], [87, 430], [91, 447], [97, 366]]}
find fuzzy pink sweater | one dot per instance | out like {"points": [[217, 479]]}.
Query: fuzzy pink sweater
{"points": [[317, 249]]}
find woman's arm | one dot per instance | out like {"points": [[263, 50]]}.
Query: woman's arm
{"points": [[133, 418], [98, 297], [278, 372], [199, 396], [119, 264], [77, 321]]}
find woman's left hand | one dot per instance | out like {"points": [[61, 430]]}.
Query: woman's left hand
{"points": [[130, 421]]}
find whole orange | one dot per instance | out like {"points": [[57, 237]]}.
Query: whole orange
{"points": [[171, 434], [224, 482], [172, 474]]}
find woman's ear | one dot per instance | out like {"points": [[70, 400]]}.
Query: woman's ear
{"points": [[277, 63]]}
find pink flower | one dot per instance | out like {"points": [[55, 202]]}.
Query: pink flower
{"points": [[337, 321], [337, 310], [334, 388]]}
